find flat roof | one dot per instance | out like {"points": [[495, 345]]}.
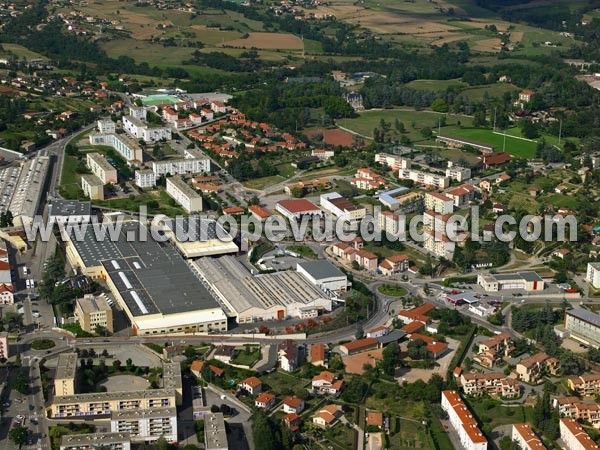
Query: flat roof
{"points": [[143, 413], [91, 303], [66, 368], [99, 159], [214, 431], [92, 179], [114, 395], [585, 315], [151, 277], [94, 439], [321, 269], [60, 207]]}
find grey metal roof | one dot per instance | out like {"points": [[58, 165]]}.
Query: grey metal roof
{"points": [[393, 336], [585, 315], [530, 276], [195, 229], [69, 208], [320, 269]]}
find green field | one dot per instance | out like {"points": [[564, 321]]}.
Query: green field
{"points": [[436, 85], [391, 290], [20, 51], [368, 120], [512, 145]]}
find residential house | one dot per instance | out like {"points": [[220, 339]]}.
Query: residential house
{"points": [[533, 368], [327, 383], [293, 405], [224, 353], [288, 355], [292, 422], [374, 419], [328, 416], [494, 349], [462, 195], [394, 264], [251, 385], [318, 355], [494, 384], [265, 400]]}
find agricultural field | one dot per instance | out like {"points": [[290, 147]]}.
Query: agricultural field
{"points": [[19, 51]]}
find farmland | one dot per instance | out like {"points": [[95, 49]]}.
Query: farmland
{"points": [[268, 41]]}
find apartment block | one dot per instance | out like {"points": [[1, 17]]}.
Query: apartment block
{"points": [[145, 178], [141, 130], [106, 441], [93, 311], [593, 274], [127, 147], [575, 437], [183, 194], [523, 435], [461, 195], [436, 180], [493, 350], [4, 349], [532, 369], [106, 126], [457, 173], [180, 166], [494, 384], [66, 370], [146, 425], [463, 422], [439, 203], [100, 167], [215, 434], [584, 326], [575, 408], [584, 385], [394, 162], [439, 244], [92, 186]]}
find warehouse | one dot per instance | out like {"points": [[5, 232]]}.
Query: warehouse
{"points": [[195, 237], [152, 283], [251, 298], [528, 281], [323, 274]]}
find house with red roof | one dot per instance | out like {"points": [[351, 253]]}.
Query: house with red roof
{"points": [[252, 385], [293, 405], [265, 400], [327, 383]]}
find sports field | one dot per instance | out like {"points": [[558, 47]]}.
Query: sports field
{"points": [[512, 145]]}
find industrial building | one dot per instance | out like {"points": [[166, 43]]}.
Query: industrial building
{"points": [[584, 326], [251, 298], [94, 311], [341, 207], [295, 209], [151, 282], [323, 274], [21, 189], [528, 281], [69, 211], [183, 194], [195, 237]]}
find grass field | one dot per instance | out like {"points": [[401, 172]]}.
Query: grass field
{"points": [[391, 290], [261, 183], [20, 51], [368, 120], [512, 145], [268, 41], [436, 85]]}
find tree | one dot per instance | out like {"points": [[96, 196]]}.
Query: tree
{"points": [[417, 349], [265, 432], [18, 435], [116, 365], [426, 132], [439, 105]]}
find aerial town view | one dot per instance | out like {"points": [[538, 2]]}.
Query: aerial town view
{"points": [[299, 224]]}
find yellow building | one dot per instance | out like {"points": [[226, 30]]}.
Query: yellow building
{"points": [[92, 311], [66, 370]]}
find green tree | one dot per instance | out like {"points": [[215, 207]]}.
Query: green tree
{"points": [[18, 435], [426, 132], [417, 349], [439, 105]]}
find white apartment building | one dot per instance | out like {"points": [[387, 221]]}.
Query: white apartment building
{"points": [[593, 274], [145, 178], [341, 207], [183, 194], [139, 113], [106, 126], [101, 168], [140, 130], [463, 422], [574, 436], [146, 425], [112, 441], [392, 224], [181, 166], [523, 435], [439, 244], [427, 178], [92, 186], [126, 146], [457, 173], [395, 162], [439, 203]]}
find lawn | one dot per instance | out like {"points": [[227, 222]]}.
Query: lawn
{"points": [[20, 51], [477, 93], [392, 290], [512, 145], [282, 383], [413, 122], [69, 180], [303, 250], [491, 413], [437, 85], [248, 356], [261, 183]]}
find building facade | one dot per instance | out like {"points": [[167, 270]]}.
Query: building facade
{"points": [[183, 194], [92, 312]]}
